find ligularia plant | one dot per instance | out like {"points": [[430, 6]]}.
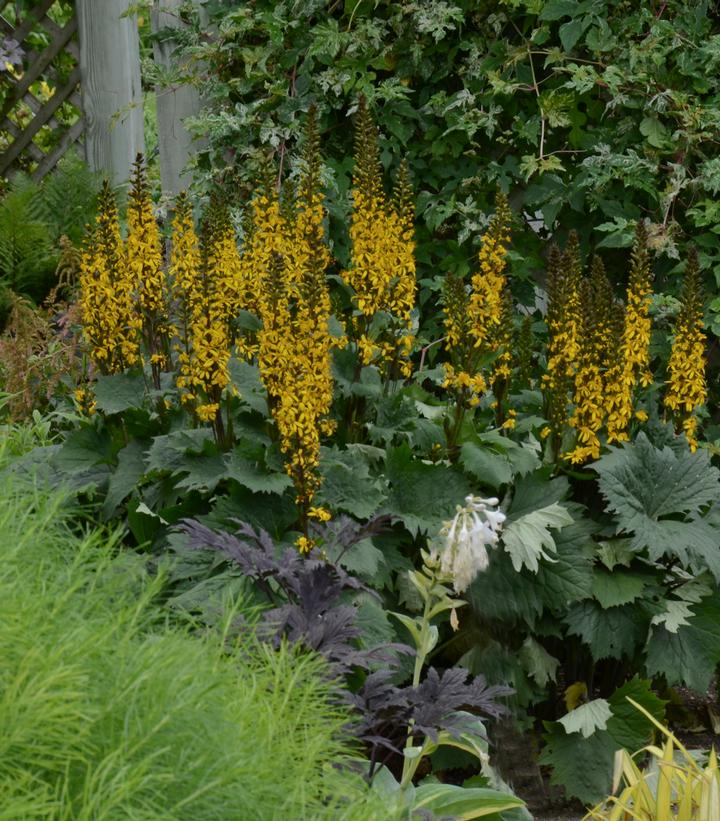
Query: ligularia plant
{"points": [[467, 535]]}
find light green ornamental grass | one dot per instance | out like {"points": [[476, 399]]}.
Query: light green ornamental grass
{"points": [[108, 712]]}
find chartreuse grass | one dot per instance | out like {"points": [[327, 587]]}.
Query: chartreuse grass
{"points": [[109, 712]]}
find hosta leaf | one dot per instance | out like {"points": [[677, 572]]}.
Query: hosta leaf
{"points": [[690, 655], [587, 718], [462, 803], [528, 538]]}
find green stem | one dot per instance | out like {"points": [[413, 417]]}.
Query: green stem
{"points": [[411, 765]]}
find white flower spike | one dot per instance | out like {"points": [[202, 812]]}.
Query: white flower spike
{"points": [[466, 538]]}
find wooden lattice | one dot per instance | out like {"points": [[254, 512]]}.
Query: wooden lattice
{"points": [[36, 129]]}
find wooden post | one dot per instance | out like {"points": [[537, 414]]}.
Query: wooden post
{"points": [[111, 86], [174, 104]]}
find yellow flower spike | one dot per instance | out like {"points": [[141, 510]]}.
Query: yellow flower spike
{"points": [[145, 268], [634, 360], [687, 386], [594, 346], [295, 342], [111, 325], [488, 285], [478, 317], [382, 269]]}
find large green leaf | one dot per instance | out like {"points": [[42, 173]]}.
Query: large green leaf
{"points": [[584, 766], [528, 539], [422, 495], [126, 476], [493, 469], [690, 655], [618, 587], [347, 483], [252, 476], [587, 718], [658, 495], [611, 633], [168, 452], [569, 577], [504, 594], [118, 392]]}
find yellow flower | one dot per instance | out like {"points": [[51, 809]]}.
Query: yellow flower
{"points": [[304, 545], [320, 514]]}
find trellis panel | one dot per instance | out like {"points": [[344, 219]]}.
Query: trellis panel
{"points": [[34, 136]]}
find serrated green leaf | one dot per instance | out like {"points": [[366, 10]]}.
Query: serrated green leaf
{"points": [[534, 492], [587, 718], [569, 577], [246, 378], [202, 473], [655, 131], [422, 495], [504, 594], [168, 452], [584, 766], [363, 560], [609, 633], [84, 448], [648, 488], [571, 32], [347, 483], [618, 587], [528, 538], [690, 655], [539, 664], [125, 477], [118, 392], [250, 475], [616, 552], [491, 468]]}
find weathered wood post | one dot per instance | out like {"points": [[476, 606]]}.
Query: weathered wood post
{"points": [[174, 103], [111, 86]]}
